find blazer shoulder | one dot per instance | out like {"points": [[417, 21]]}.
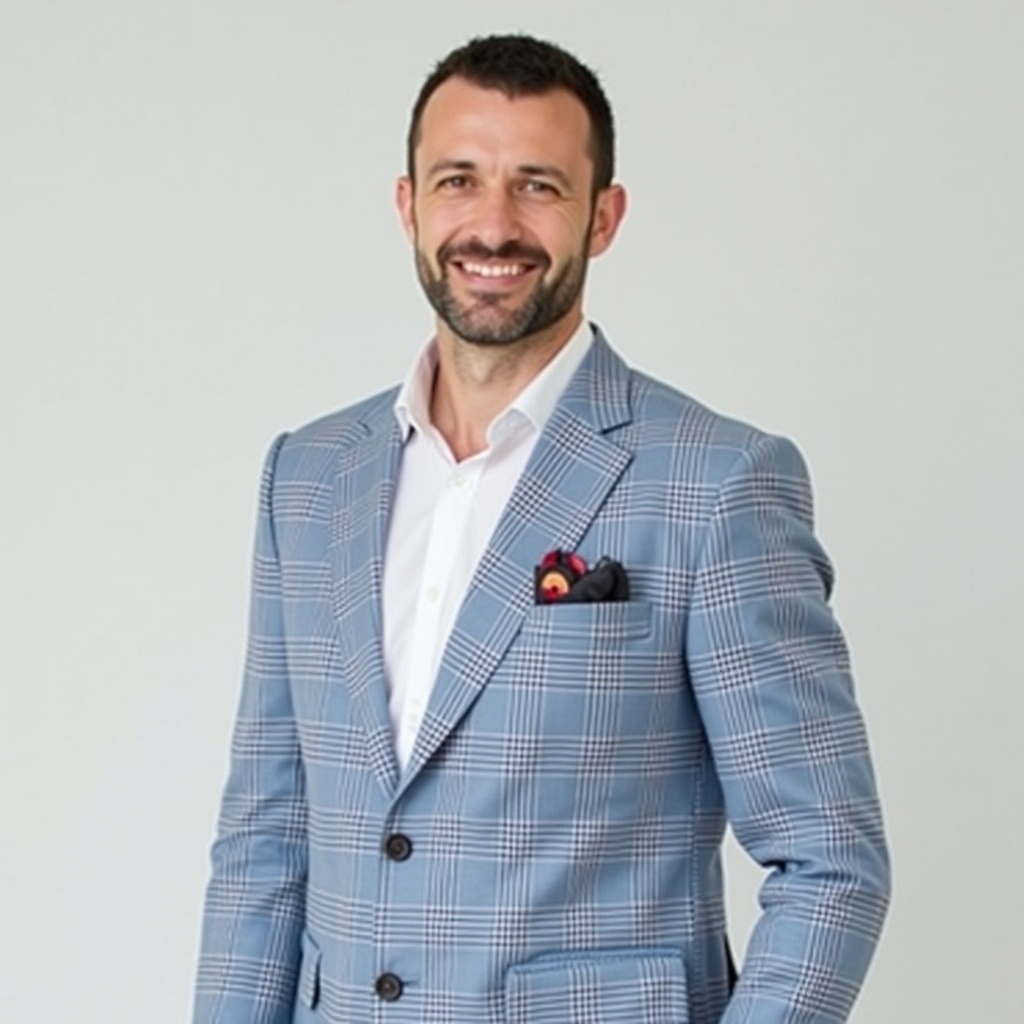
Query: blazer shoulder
{"points": [[704, 443], [676, 438], [660, 408], [312, 449]]}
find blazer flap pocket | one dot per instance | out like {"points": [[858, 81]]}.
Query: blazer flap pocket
{"points": [[588, 623], [628, 985], [309, 972]]}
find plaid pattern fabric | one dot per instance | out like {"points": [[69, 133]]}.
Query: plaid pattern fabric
{"points": [[567, 794]]}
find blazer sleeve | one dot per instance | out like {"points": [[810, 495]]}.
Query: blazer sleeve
{"points": [[772, 679], [255, 902]]}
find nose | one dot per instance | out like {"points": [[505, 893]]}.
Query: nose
{"points": [[496, 218]]}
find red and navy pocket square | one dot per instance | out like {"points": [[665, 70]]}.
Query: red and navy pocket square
{"points": [[563, 577]]}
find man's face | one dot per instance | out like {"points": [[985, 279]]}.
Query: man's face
{"points": [[502, 214]]}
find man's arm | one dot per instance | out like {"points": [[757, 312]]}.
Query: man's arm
{"points": [[255, 903], [771, 675]]}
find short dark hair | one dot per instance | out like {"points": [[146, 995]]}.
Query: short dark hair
{"points": [[519, 65]]}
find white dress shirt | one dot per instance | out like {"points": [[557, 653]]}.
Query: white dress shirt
{"points": [[443, 516]]}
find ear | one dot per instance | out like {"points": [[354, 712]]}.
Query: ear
{"points": [[609, 209], [404, 203]]}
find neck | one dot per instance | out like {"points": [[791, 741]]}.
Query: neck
{"points": [[474, 383]]}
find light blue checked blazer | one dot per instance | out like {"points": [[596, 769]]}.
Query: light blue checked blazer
{"points": [[567, 794]]}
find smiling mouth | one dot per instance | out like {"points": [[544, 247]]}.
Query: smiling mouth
{"points": [[493, 274], [493, 271]]}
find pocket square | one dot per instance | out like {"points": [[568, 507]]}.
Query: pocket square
{"points": [[563, 577]]}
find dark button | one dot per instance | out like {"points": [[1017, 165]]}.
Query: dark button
{"points": [[389, 987], [398, 847]]}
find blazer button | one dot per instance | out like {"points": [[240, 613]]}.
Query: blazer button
{"points": [[398, 847], [389, 987]]}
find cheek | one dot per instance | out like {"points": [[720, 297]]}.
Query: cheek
{"points": [[560, 232], [438, 219]]}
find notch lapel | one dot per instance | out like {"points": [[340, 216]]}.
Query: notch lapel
{"points": [[364, 492], [566, 480]]}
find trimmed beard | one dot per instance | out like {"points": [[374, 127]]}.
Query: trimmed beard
{"points": [[482, 321]]}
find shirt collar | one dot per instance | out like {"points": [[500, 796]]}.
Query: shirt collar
{"points": [[533, 405]]}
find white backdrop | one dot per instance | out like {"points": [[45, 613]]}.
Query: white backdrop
{"points": [[198, 248]]}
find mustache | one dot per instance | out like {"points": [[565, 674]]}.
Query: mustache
{"points": [[476, 250]]}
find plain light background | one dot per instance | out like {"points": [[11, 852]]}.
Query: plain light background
{"points": [[198, 248]]}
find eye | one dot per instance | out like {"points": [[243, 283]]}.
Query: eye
{"points": [[453, 182], [538, 187]]}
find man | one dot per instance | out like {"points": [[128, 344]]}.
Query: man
{"points": [[523, 633]]}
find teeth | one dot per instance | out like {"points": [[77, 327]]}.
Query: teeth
{"points": [[494, 269]]}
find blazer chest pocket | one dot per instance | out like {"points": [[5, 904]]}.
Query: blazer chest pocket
{"points": [[580, 625], [631, 986]]}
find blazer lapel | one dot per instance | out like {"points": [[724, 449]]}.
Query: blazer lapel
{"points": [[570, 472], [364, 490]]}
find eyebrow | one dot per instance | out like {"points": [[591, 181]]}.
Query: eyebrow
{"points": [[532, 170], [449, 165]]}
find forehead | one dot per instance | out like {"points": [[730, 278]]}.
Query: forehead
{"points": [[462, 120]]}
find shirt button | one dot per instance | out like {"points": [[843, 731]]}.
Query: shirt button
{"points": [[460, 480], [389, 987], [398, 847], [432, 594]]}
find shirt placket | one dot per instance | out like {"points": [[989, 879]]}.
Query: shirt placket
{"points": [[451, 513]]}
